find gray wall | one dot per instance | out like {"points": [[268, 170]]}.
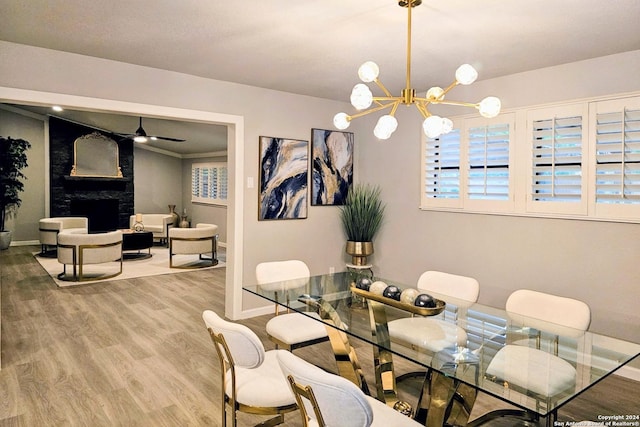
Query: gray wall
{"points": [[157, 181], [594, 261], [590, 260], [25, 226]]}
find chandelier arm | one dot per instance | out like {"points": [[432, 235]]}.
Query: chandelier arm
{"points": [[384, 89], [422, 108], [459, 103], [394, 108], [448, 88], [386, 98], [373, 110]]}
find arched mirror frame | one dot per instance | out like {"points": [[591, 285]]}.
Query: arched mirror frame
{"points": [[95, 155]]}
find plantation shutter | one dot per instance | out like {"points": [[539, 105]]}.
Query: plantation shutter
{"points": [[557, 180], [442, 170], [617, 170], [209, 183], [488, 173], [489, 157]]}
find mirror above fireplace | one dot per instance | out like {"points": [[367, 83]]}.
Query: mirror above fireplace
{"points": [[95, 155]]}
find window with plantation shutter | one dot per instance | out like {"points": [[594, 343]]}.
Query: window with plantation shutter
{"points": [[442, 170], [617, 157], [488, 176], [488, 166], [572, 160], [558, 141], [209, 183]]}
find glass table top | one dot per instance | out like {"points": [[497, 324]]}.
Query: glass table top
{"points": [[466, 341]]}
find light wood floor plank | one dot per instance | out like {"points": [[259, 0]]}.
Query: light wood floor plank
{"points": [[135, 353]]}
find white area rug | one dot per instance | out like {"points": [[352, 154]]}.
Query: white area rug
{"points": [[156, 265]]}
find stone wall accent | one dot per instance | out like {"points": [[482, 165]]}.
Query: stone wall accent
{"points": [[65, 188]]}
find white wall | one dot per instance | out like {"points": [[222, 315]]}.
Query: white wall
{"points": [[593, 261]]}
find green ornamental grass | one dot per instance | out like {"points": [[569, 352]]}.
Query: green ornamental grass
{"points": [[362, 213]]}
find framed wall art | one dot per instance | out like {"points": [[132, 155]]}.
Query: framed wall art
{"points": [[332, 166], [284, 166]]}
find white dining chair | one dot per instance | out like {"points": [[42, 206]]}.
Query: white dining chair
{"points": [[286, 329], [252, 381], [326, 399], [523, 364], [433, 333]]}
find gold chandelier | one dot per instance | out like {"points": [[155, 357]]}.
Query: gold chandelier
{"points": [[362, 98]]}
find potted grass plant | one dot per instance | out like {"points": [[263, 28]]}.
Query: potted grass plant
{"points": [[13, 159], [361, 216]]}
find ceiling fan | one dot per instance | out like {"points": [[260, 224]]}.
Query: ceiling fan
{"points": [[141, 135]]}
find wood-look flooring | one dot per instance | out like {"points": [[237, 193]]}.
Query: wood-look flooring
{"points": [[135, 353]]}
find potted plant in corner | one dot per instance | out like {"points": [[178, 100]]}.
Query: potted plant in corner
{"points": [[361, 215], [13, 159]]}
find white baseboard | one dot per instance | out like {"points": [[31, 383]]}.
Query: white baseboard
{"points": [[25, 243], [254, 312], [629, 372]]}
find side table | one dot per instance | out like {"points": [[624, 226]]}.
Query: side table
{"points": [[136, 241]]}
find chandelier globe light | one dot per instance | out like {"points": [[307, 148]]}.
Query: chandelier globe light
{"points": [[433, 126]]}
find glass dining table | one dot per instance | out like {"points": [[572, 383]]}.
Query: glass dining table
{"points": [[455, 371]]}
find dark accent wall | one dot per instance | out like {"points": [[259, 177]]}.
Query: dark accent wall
{"points": [[65, 189]]}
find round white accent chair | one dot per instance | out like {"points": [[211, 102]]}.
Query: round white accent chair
{"points": [[326, 399], [79, 249], [50, 227], [290, 330], [523, 364], [201, 240], [251, 379]]}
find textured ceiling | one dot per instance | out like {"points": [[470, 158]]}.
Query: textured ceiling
{"points": [[314, 47]]}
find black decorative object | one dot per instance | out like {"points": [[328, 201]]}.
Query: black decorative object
{"points": [[363, 283], [392, 292], [425, 300]]}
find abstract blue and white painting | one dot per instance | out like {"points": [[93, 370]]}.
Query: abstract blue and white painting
{"points": [[284, 166], [332, 167]]}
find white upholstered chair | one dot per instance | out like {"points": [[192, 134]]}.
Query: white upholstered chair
{"points": [[326, 399], [523, 364], [158, 224], [252, 381], [289, 330], [79, 249], [433, 333], [50, 227], [201, 240]]}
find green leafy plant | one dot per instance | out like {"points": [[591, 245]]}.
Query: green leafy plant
{"points": [[362, 213], [13, 159]]}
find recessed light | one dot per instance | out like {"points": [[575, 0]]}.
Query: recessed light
{"points": [[57, 108]]}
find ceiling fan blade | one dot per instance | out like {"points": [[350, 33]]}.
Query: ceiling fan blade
{"points": [[166, 138], [141, 132]]}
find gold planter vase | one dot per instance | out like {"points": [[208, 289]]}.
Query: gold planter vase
{"points": [[359, 251]]}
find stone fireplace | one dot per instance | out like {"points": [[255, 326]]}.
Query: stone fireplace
{"points": [[102, 213], [107, 202]]}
